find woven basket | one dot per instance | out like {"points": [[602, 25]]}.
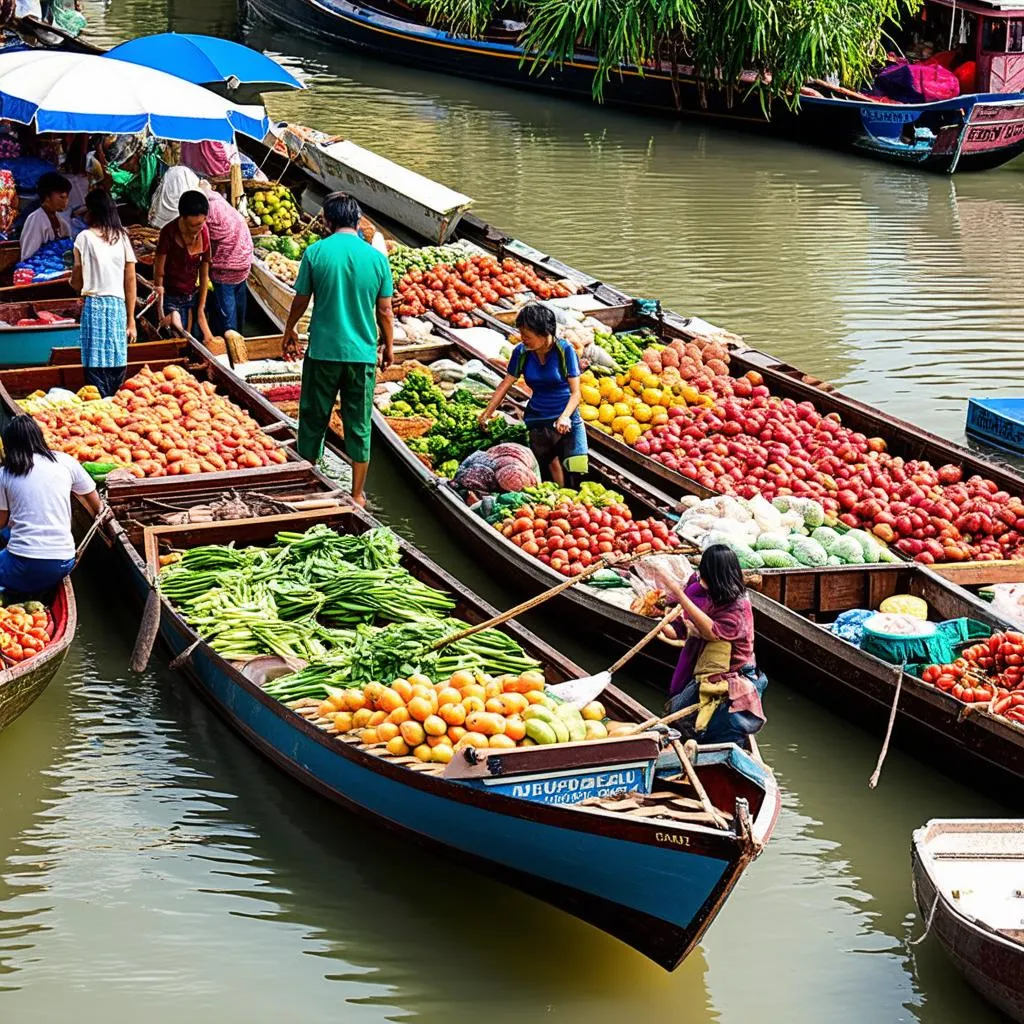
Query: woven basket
{"points": [[399, 371]]}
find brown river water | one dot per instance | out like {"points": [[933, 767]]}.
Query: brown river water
{"points": [[153, 868]]}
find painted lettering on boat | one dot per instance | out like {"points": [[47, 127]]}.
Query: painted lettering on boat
{"points": [[672, 838], [572, 787]]}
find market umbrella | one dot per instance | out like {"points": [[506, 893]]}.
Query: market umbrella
{"points": [[74, 92], [219, 64]]}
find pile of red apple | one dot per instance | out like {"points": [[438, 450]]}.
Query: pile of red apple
{"points": [[571, 535], [765, 445]]}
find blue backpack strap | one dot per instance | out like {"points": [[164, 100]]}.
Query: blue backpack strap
{"points": [[517, 363]]}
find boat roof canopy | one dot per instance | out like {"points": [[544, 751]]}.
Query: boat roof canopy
{"points": [[991, 8]]}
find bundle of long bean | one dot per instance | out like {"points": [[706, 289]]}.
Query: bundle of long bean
{"points": [[290, 598]]}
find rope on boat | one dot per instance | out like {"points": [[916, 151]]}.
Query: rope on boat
{"points": [[928, 922], [873, 781]]}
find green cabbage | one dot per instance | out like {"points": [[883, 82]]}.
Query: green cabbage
{"points": [[832, 560], [749, 558]]}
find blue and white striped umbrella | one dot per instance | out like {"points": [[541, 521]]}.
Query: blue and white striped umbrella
{"points": [[73, 92]]}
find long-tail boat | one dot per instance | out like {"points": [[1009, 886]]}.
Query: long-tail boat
{"points": [[976, 130], [22, 682], [650, 870]]}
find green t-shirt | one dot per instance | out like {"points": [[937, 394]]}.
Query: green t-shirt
{"points": [[346, 276]]}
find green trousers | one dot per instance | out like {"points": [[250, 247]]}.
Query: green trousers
{"points": [[323, 383]]}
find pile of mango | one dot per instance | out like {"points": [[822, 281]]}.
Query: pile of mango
{"points": [[630, 404]]}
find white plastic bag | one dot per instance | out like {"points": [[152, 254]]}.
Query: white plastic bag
{"points": [[1008, 602]]}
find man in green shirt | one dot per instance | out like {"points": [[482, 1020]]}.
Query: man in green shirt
{"points": [[350, 283]]}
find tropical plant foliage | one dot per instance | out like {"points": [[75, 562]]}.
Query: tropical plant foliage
{"points": [[785, 43]]}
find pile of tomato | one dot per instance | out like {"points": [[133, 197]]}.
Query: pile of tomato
{"points": [[24, 630], [454, 291], [989, 671], [570, 535]]}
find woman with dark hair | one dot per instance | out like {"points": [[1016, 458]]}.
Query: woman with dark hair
{"points": [[716, 668], [551, 367], [36, 485], [48, 221], [104, 272], [181, 271]]}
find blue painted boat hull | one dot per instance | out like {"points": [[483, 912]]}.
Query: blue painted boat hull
{"points": [[657, 890], [33, 346], [998, 422]]}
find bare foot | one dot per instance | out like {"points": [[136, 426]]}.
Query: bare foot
{"points": [[360, 500]]}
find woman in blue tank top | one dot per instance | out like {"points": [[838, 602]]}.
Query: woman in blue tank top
{"points": [[551, 369]]}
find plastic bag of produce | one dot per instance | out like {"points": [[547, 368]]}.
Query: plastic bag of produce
{"points": [[868, 545], [448, 369], [749, 558], [826, 537], [809, 552], [905, 604], [775, 559], [1008, 602], [849, 626], [777, 541], [658, 571], [849, 550], [481, 371], [810, 511], [767, 517], [476, 473]]}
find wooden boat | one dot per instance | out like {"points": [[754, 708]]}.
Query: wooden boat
{"points": [[967, 885], [969, 132], [423, 206], [653, 882], [22, 682], [33, 345], [998, 422]]}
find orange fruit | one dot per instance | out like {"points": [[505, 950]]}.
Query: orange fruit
{"points": [[501, 742], [422, 752], [343, 721], [472, 690], [495, 705], [372, 692], [376, 718], [515, 728], [361, 718], [369, 736], [418, 679], [492, 689], [486, 723], [434, 725], [387, 731], [354, 700], [472, 704], [461, 678], [412, 732], [471, 739], [448, 695], [442, 753], [399, 715], [453, 714], [397, 746], [389, 699], [403, 688], [455, 733], [420, 708]]}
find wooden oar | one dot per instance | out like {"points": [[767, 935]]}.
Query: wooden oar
{"points": [[698, 786], [582, 691], [150, 625], [526, 606]]}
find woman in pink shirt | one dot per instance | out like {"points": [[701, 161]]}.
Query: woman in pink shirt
{"points": [[231, 259]]}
